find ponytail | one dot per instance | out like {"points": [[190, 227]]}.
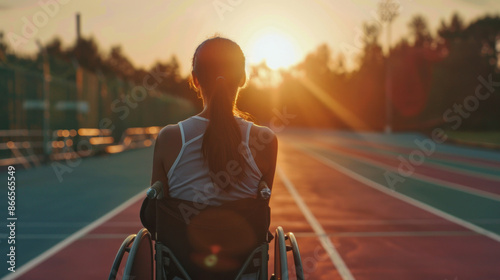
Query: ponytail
{"points": [[222, 137], [219, 69]]}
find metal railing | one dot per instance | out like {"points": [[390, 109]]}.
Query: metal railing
{"points": [[25, 147]]}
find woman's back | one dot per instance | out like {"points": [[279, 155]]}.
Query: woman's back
{"points": [[189, 177], [215, 156]]}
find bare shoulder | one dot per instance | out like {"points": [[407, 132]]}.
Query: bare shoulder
{"points": [[168, 144], [262, 136], [170, 130], [169, 135]]}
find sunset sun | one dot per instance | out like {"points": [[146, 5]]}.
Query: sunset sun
{"points": [[274, 47]]}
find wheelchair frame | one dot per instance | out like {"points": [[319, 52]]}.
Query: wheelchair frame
{"points": [[135, 269]]}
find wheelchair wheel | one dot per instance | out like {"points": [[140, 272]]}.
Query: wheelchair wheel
{"points": [[284, 243], [297, 260], [139, 263], [125, 247], [140, 259], [280, 258]]}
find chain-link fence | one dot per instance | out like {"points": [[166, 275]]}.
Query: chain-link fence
{"points": [[88, 100]]}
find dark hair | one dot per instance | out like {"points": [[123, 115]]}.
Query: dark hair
{"points": [[219, 67]]}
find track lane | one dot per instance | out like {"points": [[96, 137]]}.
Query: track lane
{"points": [[480, 185], [387, 257], [471, 164]]}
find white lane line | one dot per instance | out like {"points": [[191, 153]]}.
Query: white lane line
{"points": [[425, 178], [438, 165], [325, 241], [74, 224], [402, 197], [62, 236], [72, 238]]}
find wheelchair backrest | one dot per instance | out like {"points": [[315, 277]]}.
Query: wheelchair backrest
{"points": [[212, 239]]}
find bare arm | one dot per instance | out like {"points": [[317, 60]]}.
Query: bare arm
{"points": [[167, 147], [264, 146]]}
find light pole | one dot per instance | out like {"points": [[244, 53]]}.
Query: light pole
{"points": [[388, 83], [47, 147], [388, 10]]}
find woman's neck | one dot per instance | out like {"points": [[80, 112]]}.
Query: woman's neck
{"points": [[204, 112]]}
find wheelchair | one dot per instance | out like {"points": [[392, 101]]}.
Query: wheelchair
{"points": [[197, 241]]}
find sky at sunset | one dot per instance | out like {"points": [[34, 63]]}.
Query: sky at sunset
{"points": [[151, 30]]}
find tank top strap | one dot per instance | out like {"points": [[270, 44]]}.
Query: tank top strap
{"points": [[249, 155], [247, 134], [192, 128], [183, 136]]}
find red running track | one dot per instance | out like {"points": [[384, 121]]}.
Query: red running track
{"points": [[376, 235]]}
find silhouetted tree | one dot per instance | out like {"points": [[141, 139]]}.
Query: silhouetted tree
{"points": [[87, 53], [472, 54], [3, 49], [366, 94], [54, 48], [317, 64], [419, 31], [453, 30], [119, 64], [169, 74]]}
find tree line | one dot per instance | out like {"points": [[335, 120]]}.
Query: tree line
{"points": [[433, 77], [434, 80]]}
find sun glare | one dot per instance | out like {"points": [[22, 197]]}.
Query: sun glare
{"points": [[276, 48]]}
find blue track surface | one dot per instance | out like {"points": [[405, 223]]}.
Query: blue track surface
{"points": [[49, 210]]}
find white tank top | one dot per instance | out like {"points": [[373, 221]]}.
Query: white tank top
{"points": [[189, 177]]}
